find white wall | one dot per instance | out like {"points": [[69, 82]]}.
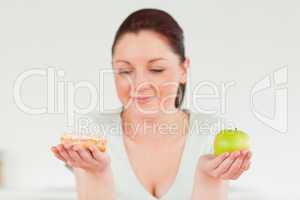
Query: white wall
{"points": [[241, 41]]}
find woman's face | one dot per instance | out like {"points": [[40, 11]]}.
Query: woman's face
{"points": [[147, 73]]}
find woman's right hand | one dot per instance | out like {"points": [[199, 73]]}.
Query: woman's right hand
{"points": [[91, 160]]}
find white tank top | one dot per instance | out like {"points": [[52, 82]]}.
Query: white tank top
{"points": [[202, 128]]}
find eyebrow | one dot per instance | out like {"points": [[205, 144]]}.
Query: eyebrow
{"points": [[156, 59], [125, 61], [150, 61]]}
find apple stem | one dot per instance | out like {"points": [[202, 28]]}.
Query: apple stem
{"points": [[235, 129]]}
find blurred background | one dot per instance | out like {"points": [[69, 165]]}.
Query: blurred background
{"points": [[244, 55]]}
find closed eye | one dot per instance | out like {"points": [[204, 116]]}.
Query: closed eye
{"points": [[124, 71], [157, 70]]}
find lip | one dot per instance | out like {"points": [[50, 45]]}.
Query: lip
{"points": [[143, 99]]}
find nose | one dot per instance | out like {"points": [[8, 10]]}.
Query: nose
{"points": [[141, 84]]}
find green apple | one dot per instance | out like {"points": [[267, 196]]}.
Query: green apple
{"points": [[229, 140]]}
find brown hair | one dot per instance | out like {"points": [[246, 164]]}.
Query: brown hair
{"points": [[160, 22]]}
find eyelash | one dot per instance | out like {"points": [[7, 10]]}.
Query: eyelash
{"points": [[157, 70], [152, 70], [124, 72]]}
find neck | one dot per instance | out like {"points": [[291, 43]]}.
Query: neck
{"points": [[158, 128]]}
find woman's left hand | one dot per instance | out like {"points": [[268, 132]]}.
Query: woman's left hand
{"points": [[227, 166]]}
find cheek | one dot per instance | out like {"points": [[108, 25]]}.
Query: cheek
{"points": [[170, 82], [123, 89], [167, 97], [168, 88]]}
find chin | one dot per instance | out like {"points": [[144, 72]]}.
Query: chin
{"points": [[145, 110]]}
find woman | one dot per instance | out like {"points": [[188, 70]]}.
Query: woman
{"points": [[150, 66]]}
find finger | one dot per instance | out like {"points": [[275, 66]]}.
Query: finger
{"points": [[248, 165], [242, 170], [218, 160], [65, 154], [67, 146], [97, 154], [225, 165], [85, 155], [246, 160], [57, 154], [235, 169], [75, 156]]}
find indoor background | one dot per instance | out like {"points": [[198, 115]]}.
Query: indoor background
{"points": [[252, 45]]}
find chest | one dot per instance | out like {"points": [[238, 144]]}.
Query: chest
{"points": [[156, 168]]}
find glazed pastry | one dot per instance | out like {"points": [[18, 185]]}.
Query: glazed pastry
{"points": [[84, 141]]}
